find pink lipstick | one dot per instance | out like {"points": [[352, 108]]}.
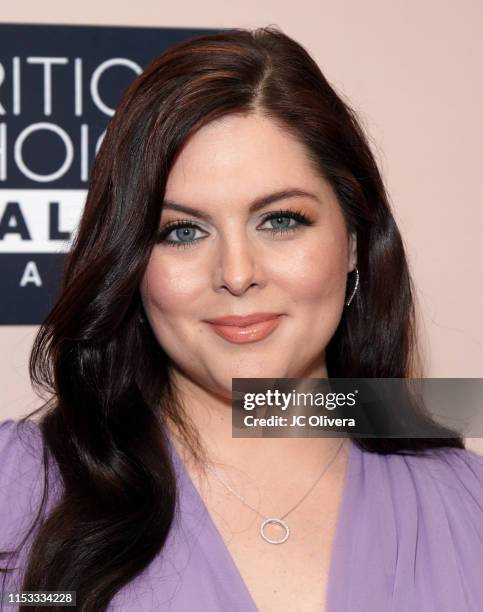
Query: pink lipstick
{"points": [[243, 329]]}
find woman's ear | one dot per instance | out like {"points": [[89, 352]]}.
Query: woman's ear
{"points": [[352, 251]]}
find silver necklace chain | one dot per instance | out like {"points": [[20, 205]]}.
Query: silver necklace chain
{"points": [[272, 520]]}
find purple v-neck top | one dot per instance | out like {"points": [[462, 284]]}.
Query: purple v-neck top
{"points": [[409, 536]]}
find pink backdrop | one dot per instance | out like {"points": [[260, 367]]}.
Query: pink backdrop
{"points": [[415, 75]]}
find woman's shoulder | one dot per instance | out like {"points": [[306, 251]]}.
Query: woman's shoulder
{"points": [[451, 467], [445, 481], [21, 477], [20, 451], [447, 478], [419, 518]]}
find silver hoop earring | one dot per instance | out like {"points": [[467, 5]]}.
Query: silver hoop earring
{"points": [[355, 287]]}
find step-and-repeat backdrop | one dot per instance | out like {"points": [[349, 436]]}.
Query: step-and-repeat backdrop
{"points": [[59, 86]]}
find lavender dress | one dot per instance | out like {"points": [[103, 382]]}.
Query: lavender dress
{"points": [[409, 536]]}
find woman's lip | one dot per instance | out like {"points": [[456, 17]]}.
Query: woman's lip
{"points": [[247, 333], [240, 321]]}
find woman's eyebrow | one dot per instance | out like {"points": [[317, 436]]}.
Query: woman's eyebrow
{"points": [[255, 205]]}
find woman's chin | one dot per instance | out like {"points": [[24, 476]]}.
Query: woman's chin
{"points": [[225, 385]]}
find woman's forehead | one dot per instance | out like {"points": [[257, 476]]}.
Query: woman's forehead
{"points": [[247, 142], [240, 160]]}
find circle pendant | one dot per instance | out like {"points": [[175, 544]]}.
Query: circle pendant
{"points": [[274, 521]]}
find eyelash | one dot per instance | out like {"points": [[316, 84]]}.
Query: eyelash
{"points": [[297, 215]]}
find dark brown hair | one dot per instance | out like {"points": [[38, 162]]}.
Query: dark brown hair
{"points": [[108, 376]]}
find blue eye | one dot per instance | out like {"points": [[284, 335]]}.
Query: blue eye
{"points": [[281, 217], [184, 229]]}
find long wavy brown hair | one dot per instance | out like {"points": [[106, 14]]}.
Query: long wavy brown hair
{"points": [[106, 374]]}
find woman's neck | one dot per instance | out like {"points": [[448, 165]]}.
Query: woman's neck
{"points": [[276, 460]]}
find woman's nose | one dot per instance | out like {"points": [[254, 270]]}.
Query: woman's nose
{"points": [[238, 267]]}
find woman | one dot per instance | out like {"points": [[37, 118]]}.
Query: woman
{"points": [[236, 225]]}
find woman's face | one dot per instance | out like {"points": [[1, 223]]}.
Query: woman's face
{"points": [[229, 260]]}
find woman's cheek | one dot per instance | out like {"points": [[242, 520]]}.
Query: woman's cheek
{"points": [[168, 287], [313, 273]]}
